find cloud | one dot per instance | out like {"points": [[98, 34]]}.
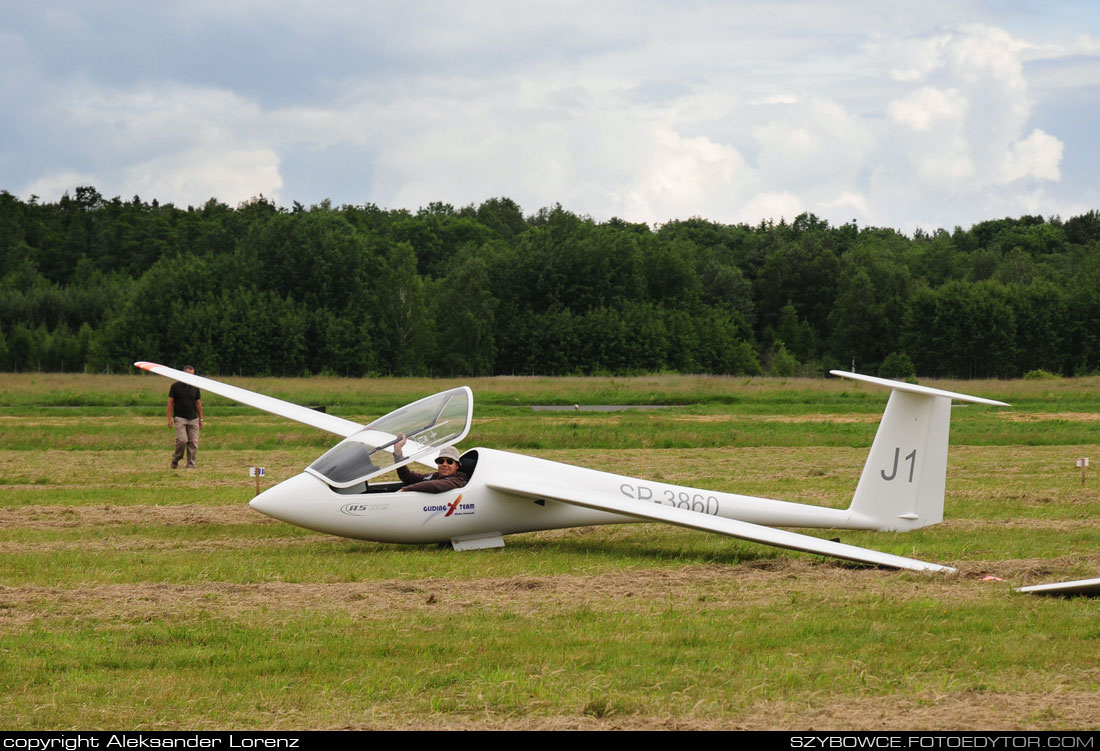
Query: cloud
{"points": [[1038, 155], [683, 177], [958, 134], [979, 52], [928, 107], [182, 144], [774, 206], [816, 143], [914, 59], [190, 177], [157, 119], [853, 201], [52, 186], [908, 114]]}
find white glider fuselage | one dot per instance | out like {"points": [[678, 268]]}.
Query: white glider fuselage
{"points": [[482, 509]]}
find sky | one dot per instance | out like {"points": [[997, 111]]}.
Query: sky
{"points": [[895, 114]]}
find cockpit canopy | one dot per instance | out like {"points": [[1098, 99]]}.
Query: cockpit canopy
{"points": [[429, 424]]}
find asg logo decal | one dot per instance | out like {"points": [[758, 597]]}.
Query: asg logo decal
{"points": [[361, 509], [454, 508]]}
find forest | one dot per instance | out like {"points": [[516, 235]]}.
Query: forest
{"points": [[91, 284]]}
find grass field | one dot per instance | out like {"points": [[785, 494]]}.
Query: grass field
{"points": [[132, 596]]}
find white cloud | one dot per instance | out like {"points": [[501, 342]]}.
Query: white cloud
{"points": [[181, 144], [158, 119], [52, 186], [1038, 155], [191, 177], [957, 134], [683, 177], [847, 199], [775, 206], [781, 99], [648, 111], [980, 51], [817, 144], [913, 59], [950, 165], [927, 107]]}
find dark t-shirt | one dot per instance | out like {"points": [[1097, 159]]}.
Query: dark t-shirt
{"points": [[184, 397]]}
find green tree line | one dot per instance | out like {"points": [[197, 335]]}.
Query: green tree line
{"points": [[92, 284]]}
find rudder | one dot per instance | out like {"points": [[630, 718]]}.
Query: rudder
{"points": [[903, 480]]}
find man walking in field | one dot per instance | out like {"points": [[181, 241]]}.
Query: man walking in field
{"points": [[185, 415]]}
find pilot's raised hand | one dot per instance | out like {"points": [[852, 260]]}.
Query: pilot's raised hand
{"points": [[399, 445]]}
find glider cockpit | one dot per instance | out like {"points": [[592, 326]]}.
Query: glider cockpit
{"points": [[429, 424]]}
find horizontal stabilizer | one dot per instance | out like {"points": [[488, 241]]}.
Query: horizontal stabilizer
{"points": [[1079, 587], [305, 415], [914, 388], [706, 523]]}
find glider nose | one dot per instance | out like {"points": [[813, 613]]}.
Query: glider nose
{"points": [[290, 499]]}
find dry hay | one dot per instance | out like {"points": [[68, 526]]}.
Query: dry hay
{"points": [[67, 517], [1047, 416], [940, 711], [1049, 525], [846, 418], [755, 583]]}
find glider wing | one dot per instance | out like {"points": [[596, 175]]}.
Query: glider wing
{"points": [[312, 417], [706, 523]]}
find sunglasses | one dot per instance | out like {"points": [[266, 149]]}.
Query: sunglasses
{"points": [[445, 461]]}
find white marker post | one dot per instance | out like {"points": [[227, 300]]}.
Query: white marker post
{"points": [[257, 472], [1083, 463]]}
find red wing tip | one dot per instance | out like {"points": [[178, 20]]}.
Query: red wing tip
{"points": [[146, 365]]}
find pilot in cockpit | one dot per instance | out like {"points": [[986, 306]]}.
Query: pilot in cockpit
{"points": [[448, 477]]}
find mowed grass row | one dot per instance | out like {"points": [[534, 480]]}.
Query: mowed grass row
{"points": [[985, 482], [241, 428], [378, 395], [705, 652], [133, 596]]}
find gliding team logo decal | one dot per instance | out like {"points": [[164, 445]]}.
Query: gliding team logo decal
{"points": [[454, 508]]}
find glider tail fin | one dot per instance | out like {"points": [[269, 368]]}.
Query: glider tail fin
{"points": [[902, 485]]}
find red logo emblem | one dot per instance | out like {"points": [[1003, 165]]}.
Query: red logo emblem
{"points": [[453, 506]]}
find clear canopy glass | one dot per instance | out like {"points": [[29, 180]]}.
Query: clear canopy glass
{"points": [[429, 424]]}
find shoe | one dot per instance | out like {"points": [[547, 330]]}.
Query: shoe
{"points": [[175, 465], [190, 466]]}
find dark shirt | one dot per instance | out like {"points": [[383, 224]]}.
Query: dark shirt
{"points": [[184, 398], [431, 483]]}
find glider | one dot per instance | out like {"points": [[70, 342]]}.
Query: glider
{"points": [[342, 493]]}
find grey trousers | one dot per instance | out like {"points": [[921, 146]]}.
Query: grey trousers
{"points": [[187, 437]]}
